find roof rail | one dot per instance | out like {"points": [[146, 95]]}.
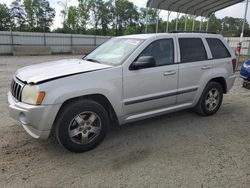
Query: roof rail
{"points": [[193, 32]]}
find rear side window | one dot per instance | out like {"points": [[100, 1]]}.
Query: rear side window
{"points": [[217, 48], [192, 49]]}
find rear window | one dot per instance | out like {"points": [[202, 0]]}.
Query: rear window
{"points": [[217, 48], [192, 49]]}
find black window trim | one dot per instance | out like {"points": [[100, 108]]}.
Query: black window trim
{"points": [[230, 55], [182, 62], [172, 39]]}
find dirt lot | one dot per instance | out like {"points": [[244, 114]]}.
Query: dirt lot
{"points": [[176, 150]]}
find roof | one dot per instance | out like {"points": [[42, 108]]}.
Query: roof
{"points": [[142, 36], [194, 7], [151, 35]]}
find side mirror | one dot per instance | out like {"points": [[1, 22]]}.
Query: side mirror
{"points": [[143, 62]]}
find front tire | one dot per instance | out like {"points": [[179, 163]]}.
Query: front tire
{"points": [[81, 125], [210, 100]]}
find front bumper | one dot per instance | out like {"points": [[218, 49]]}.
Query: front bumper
{"points": [[36, 120]]}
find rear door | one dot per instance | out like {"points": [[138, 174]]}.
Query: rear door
{"points": [[195, 63]]}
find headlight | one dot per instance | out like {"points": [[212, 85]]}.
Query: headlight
{"points": [[32, 95], [246, 66]]}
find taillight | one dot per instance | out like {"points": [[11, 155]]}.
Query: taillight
{"points": [[234, 63]]}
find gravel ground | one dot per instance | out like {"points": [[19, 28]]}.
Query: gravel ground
{"points": [[176, 150]]}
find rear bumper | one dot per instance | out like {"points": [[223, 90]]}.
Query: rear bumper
{"points": [[36, 120]]}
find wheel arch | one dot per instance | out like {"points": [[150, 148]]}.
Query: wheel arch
{"points": [[100, 98], [221, 81]]}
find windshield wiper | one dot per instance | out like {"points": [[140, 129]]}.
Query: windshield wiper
{"points": [[93, 60]]}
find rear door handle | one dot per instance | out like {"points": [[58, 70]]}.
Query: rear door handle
{"points": [[206, 67], [168, 73]]}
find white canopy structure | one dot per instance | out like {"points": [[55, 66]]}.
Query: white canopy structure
{"points": [[202, 8]]}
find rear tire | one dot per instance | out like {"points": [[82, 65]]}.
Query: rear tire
{"points": [[81, 125], [210, 100]]}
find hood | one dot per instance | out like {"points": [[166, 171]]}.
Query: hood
{"points": [[56, 69]]}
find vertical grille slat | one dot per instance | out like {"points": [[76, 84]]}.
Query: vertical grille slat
{"points": [[19, 95], [16, 89], [13, 91], [18, 92]]}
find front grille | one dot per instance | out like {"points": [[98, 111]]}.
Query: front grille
{"points": [[16, 89]]}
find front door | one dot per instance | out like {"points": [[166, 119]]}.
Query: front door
{"points": [[152, 88]]}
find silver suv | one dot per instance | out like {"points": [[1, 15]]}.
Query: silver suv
{"points": [[126, 79]]}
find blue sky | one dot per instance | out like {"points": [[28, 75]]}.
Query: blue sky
{"points": [[236, 11]]}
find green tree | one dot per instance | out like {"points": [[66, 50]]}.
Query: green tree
{"points": [[215, 24], [5, 18], [149, 17], [30, 13], [84, 13], [101, 15], [48, 15], [71, 23], [125, 14], [106, 16], [232, 26], [64, 12], [17, 14], [40, 15]]}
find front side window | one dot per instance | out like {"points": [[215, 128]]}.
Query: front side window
{"points": [[192, 49], [162, 51], [217, 48], [114, 51]]}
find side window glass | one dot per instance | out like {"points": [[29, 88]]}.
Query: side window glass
{"points": [[217, 48], [192, 49], [162, 51]]}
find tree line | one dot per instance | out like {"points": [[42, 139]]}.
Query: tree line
{"points": [[102, 17]]}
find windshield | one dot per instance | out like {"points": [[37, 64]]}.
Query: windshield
{"points": [[114, 51]]}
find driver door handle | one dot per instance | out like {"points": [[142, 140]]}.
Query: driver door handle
{"points": [[206, 67], [168, 73]]}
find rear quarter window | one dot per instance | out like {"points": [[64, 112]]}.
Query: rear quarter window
{"points": [[217, 48], [192, 49]]}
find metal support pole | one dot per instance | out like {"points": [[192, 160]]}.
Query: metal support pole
{"points": [[169, 12], [157, 21], [146, 29], [185, 28], [177, 20], [244, 21], [201, 24], [193, 23], [207, 23]]}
